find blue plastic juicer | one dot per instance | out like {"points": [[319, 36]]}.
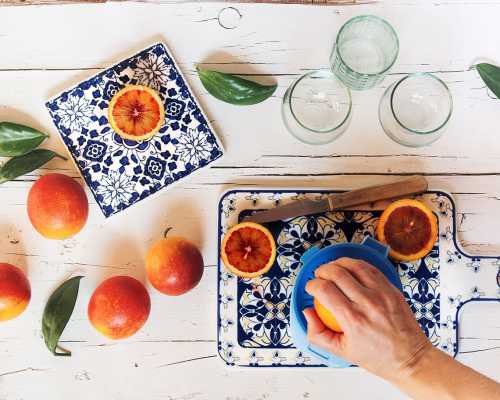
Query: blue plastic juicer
{"points": [[370, 251]]}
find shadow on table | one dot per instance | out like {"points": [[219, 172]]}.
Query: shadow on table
{"points": [[225, 62], [124, 258], [181, 215]]}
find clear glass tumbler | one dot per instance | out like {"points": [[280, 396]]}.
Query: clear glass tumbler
{"points": [[316, 108], [365, 49], [415, 110]]}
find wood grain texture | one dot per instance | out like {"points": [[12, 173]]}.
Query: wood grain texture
{"points": [[45, 2], [174, 356], [59, 2]]}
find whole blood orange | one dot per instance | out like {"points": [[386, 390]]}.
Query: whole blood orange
{"points": [[174, 265], [326, 317], [410, 229], [15, 291], [136, 112], [248, 250], [119, 307], [57, 206]]}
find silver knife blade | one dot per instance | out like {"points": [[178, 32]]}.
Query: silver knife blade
{"points": [[408, 186], [298, 207]]}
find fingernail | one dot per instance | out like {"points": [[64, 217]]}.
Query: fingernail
{"points": [[305, 312]]}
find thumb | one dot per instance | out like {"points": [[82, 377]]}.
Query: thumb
{"points": [[319, 335]]}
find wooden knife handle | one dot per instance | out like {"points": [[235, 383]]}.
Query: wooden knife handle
{"points": [[405, 187]]}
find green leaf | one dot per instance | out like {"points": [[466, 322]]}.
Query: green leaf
{"points": [[21, 165], [16, 139], [57, 313], [233, 89], [490, 74]]}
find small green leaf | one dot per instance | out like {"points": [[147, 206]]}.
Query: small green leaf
{"points": [[490, 74], [21, 165], [57, 313], [16, 139], [233, 89]]}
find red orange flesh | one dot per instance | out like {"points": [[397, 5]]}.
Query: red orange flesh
{"points": [[136, 112], [410, 229], [248, 250]]}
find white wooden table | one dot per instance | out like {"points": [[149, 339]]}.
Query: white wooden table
{"points": [[45, 49]]}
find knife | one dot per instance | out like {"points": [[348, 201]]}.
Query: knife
{"points": [[405, 187]]}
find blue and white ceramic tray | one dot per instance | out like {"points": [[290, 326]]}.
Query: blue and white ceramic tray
{"points": [[122, 172], [253, 314]]}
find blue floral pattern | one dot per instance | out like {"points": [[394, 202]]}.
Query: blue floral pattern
{"points": [[111, 88], [155, 168], [174, 108], [193, 147], [94, 150], [421, 287], [154, 69], [122, 172], [75, 112], [264, 311], [301, 233], [253, 314], [115, 189]]}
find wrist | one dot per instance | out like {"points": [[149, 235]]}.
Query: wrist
{"points": [[423, 357]]}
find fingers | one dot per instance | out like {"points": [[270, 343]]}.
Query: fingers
{"points": [[319, 335], [330, 296], [367, 274], [344, 280]]}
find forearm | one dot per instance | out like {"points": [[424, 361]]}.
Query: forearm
{"points": [[438, 376]]}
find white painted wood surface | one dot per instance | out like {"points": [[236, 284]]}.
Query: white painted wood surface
{"points": [[48, 48]]}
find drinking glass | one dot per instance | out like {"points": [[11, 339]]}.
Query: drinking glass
{"points": [[365, 49], [415, 110], [316, 108]]}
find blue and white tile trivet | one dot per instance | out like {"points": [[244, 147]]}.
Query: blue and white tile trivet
{"points": [[253, 314], [122, 172]]}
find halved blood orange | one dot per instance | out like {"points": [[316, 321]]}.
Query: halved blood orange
{"points": [[136, 112], [410, 229], [248, 250]]}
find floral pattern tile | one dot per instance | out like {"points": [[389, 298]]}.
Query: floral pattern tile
{"points": [[264, 308], [122, 172], [253, 314]]}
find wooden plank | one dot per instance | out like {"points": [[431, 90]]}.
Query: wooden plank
{"points": [[300, 2], [306, 2], [46, 2]]}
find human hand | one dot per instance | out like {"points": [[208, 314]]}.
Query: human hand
{"points": [[380, 332]]}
